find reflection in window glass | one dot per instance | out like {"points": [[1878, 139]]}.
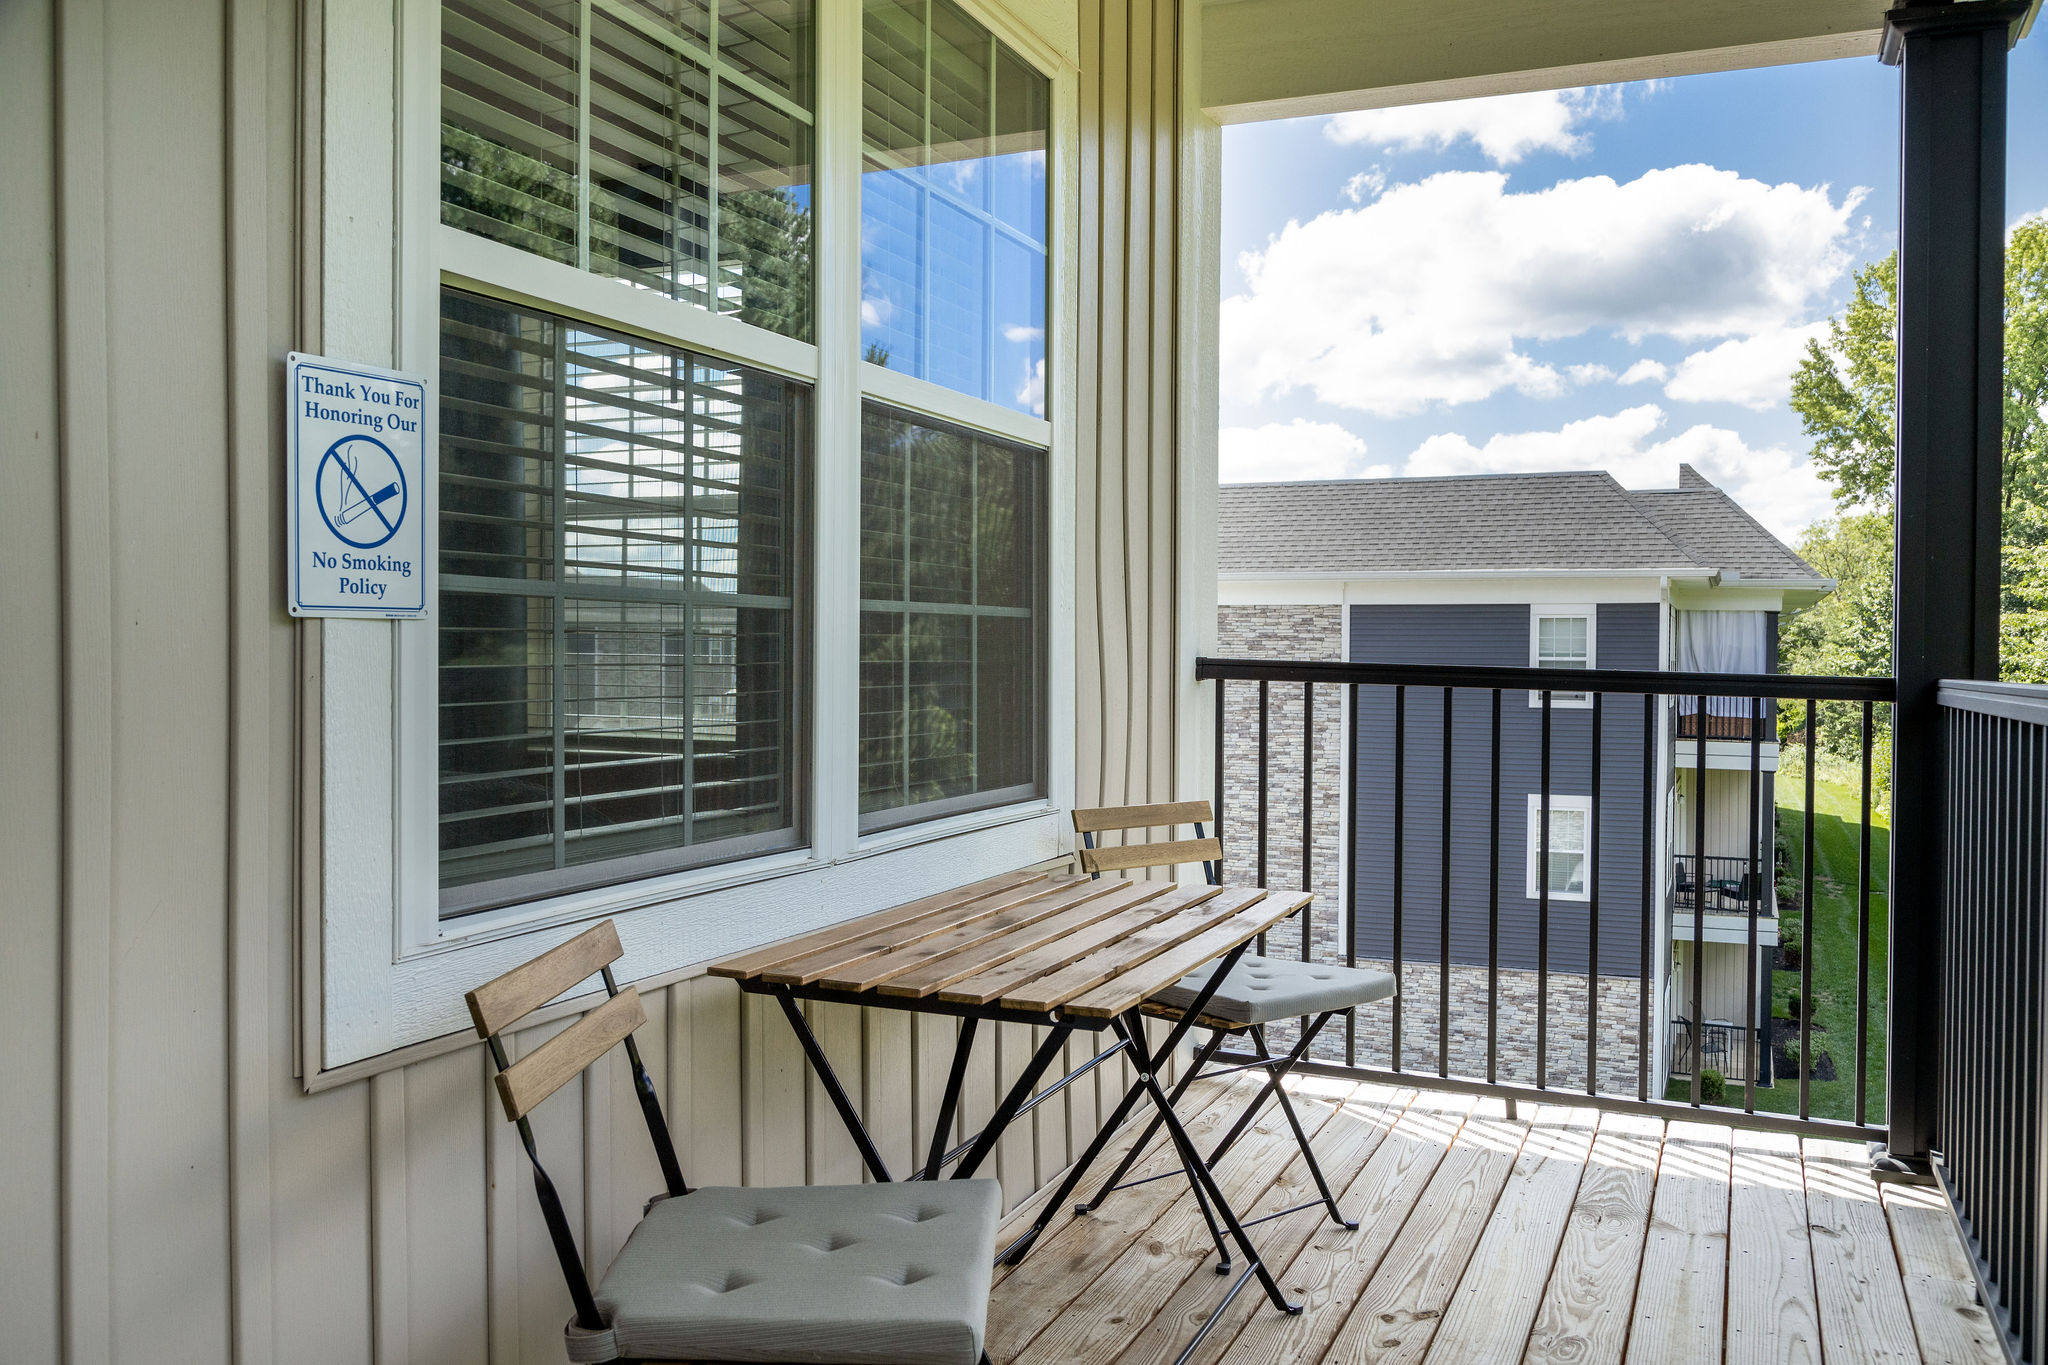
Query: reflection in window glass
{"points": [[618, 612], [613, 135], [952, 590], [953, 204]]}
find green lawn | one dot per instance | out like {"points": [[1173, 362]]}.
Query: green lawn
{"points": [[1835, 835]]}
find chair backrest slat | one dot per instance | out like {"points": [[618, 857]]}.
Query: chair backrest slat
{"points": [[1126, 856], [499, 1003], [560, 1059], [1161, 816]]}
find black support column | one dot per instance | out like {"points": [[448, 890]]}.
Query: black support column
{"points": [[1951, 355]]}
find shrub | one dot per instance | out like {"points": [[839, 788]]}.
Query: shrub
{"points": [[1713, 1087], [1792, 1007]]}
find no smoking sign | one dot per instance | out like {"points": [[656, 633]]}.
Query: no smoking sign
{"points": [[357, 469]]}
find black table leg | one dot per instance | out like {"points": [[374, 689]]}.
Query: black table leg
{"points": [[942, 1131], [829, 1078], [1027, 1081]]}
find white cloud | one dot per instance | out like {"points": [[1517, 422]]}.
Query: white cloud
{"points": [[1424, 295], [1365, 185], [1778, 487], [1645, 371], [1283, 451], [1505, 127], [1015, 333], [1031, 393], [1590, 374], [1754, 371]]}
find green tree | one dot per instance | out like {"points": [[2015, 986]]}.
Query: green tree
{"points": [[1843, 392]]}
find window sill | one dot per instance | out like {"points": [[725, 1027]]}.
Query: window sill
{"points": [[945, 827]]}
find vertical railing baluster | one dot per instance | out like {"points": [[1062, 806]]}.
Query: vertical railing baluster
{"points": [[1543, 909], [1806, 917], [1754, 886], [1400, 850], [1493, 911], [1863, 929], [1222, 829], [1350, 695], [1308, 814], [1593, 916], [1265, 749], [1443, 966], [1648, 931], [1699, 894]]}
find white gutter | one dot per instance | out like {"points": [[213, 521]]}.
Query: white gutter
{"points": [[1395, 575]]}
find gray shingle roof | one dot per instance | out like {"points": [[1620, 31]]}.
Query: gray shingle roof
{"points": [[1493, 522]]}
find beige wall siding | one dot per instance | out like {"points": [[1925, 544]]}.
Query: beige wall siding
{"points": [[167, 1189], [1128, 497], [31, 682]]}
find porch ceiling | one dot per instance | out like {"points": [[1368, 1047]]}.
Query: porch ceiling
{"points": [[1266, 59]]}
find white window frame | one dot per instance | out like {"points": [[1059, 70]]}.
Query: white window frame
{"points": [[1558, 802], [1542, 611], [383, 970]]}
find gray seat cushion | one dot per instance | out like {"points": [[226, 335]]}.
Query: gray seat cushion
{"points": [[894, 1274], [1262, 989]]}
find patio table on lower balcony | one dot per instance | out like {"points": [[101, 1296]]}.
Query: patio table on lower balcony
{"points": [[1568, 1235]]}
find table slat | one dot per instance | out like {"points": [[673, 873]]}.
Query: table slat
{"points": [[872, 970], [1122, 898], [803, 960], [1131, 988], [1206, 906], [988, 986]]}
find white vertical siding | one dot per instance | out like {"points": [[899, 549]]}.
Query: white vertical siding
{"points": [[162, 1161]]}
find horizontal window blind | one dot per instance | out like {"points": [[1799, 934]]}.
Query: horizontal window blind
{"points": [[620, 583], [667, 145], [952, 619]]}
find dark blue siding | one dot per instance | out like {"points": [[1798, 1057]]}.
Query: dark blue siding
{"points": [[1497, 635]]}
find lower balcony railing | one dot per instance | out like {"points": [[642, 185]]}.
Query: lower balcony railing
{"points": [[1724, 885], [1538, 956]]}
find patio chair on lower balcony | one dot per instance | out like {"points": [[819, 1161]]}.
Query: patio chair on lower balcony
{"points": [[881, 1274], [1258, 991]]}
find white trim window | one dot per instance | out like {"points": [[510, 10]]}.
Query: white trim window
{"points": [[1563, 637], [1571, 822], [752, 413]]}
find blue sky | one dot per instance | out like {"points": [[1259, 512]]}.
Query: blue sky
{"points": [[1617, 278]]}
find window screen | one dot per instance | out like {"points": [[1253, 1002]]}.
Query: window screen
{"points": [[951, 628], [620, 585], [953, 204], [652, 141], [1570, 817]]}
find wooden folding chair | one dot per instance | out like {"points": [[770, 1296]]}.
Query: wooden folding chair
{"points": [[1258, 991], [882, 1274]]}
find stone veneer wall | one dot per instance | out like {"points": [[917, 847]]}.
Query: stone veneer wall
{"points": [[1316, 632]]}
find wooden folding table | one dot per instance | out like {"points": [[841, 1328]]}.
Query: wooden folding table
{"points": [[1060, 952]]}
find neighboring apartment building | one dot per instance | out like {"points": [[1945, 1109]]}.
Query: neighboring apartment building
{"points": [[1563, 570]]}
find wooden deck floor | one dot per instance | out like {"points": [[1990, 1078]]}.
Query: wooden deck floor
{"points": [[1565, 1236]]}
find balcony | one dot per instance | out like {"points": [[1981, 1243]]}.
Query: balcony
{"points": [[1561, 1234], [1750, 1076]]}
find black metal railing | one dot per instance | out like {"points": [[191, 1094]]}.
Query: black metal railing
{"points": [[1990, 1124], [1439, 761], [1726, 1048], [1725, 884]]}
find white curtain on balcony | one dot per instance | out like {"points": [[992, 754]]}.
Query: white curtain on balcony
{"points": [[1722, 642]]}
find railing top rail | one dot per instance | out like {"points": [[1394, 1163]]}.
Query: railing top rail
{"points": [[2014, 701], [1639, 682]]}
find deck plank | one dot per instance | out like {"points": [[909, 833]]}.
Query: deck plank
{"points": [[1075, 1250], [1328, 1274], [1347, 1141], [1863, 1314], [1122, 1299], [1396, 1317], [1584, 1317], [1678, 1315], [1773, 1318], [1941, 1293], [1513, 1260]]}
